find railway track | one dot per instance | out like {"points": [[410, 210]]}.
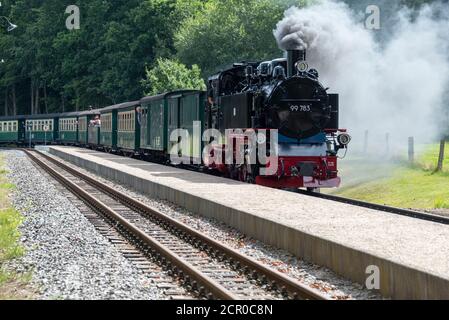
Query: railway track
{"points": [[378, 207], [206, 267]]}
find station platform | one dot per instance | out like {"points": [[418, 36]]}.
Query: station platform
{"points": [[412, 255]]}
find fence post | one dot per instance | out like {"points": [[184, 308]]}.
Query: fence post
{"points": [[411, 150], [441, 155]]}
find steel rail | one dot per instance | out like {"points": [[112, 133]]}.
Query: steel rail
{"points": [[296, 289], [379, 207], [211, 285]]}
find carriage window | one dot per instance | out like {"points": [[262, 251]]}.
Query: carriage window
{"points": [[107, 122]]}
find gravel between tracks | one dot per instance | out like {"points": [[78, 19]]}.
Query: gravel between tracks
{"points": [[68, 258], [312, 275]]}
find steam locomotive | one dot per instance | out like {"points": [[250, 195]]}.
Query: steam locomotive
{"points": [[286, 95], [283, 94]]}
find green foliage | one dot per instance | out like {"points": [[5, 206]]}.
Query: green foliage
{"points": [[169, 75], [10, 220], [441, 203], [105, 61], [100, 64], [228, 31], [9, 234]]}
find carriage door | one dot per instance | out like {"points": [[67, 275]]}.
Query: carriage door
{"points": [[144, 127], [173, 123], [189, 113]]}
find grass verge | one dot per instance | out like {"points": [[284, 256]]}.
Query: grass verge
{"points": [[399, 184], [12, 285]]}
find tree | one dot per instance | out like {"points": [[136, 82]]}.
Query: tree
{"points": [[169, 75], [228, 31], [49, 68]]}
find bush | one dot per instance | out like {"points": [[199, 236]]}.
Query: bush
{"points": [[169, 75]]}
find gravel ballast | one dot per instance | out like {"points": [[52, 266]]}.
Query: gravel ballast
{"points": [[65, 254]]}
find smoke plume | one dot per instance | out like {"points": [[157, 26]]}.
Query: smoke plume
{"points": [[397, 87]]}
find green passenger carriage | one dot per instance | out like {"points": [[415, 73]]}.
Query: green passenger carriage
{"points": [[170, 111], [129, 118], [120, 127], [89, 127], [68, 128], [148, 127], [42, 128], [108, 131], [12, 129]]}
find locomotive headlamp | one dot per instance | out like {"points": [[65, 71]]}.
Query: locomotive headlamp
{"points": [[302, 66], [261, 138], [344, 139]]}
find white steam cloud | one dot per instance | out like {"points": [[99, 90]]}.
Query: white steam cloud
{"points": [[398, 87]]}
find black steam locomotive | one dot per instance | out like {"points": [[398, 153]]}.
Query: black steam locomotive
{"points": [[286, 95]]}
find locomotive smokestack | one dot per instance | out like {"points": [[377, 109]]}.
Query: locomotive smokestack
{"points": [[293, 56]]}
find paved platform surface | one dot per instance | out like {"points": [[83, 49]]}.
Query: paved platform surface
{"points": [[412, 255]]}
